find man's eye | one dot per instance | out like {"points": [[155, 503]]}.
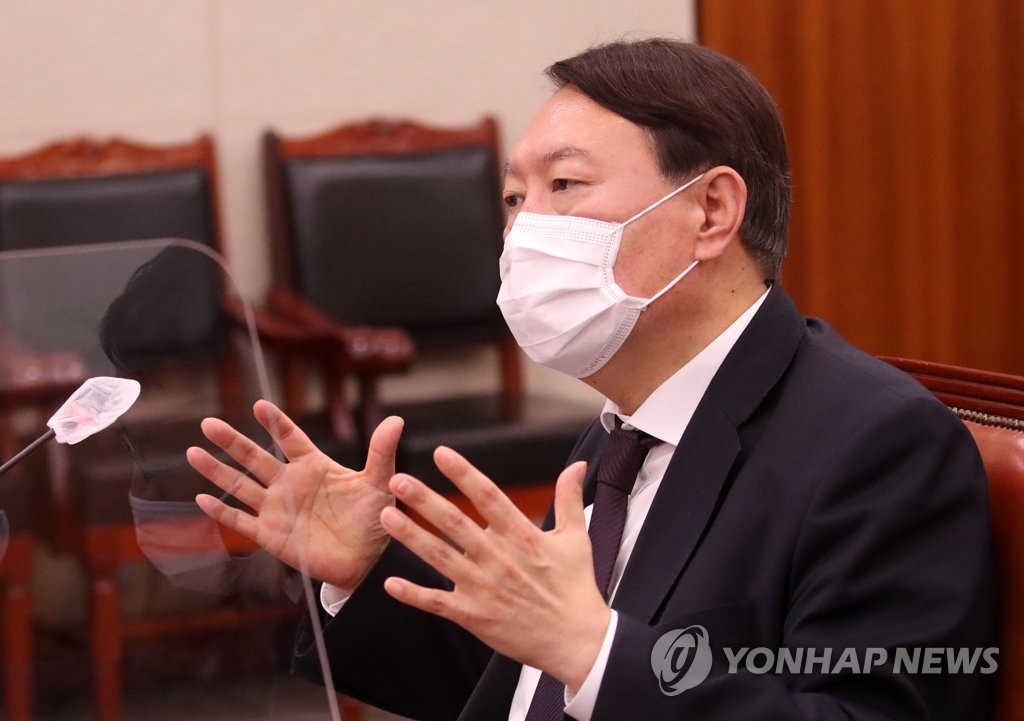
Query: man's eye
{"points": [[511, 200], [561, 184]]}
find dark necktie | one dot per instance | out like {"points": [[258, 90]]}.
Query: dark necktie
{"points": [[620, 463]]}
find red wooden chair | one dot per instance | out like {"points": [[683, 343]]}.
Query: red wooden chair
{"points": [[992, 407]]}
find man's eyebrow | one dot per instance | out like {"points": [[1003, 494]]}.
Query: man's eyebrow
{"points": [[563, 153], [567, 151]]}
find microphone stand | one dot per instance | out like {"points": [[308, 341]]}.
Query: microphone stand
{"points": [[26, 450]]}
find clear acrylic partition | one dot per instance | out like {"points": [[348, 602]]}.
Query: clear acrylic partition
{"points": [[121, 599]]}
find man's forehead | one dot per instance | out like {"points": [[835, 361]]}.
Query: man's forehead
{"points": [[571, 125]]}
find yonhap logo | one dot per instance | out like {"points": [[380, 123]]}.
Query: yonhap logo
{"points": [[681, 659]]}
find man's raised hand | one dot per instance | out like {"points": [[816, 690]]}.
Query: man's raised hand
{"points": [[309, 511], [528, 594]]}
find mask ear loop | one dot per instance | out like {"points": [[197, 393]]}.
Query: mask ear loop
{"points": [[648, 209], [670, 286], [667, 198]]}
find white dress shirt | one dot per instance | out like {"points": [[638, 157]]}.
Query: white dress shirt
{"points": [[665, 415]]}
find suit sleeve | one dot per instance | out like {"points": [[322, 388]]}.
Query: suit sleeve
{"points": [[893, 552], [391, 655]]}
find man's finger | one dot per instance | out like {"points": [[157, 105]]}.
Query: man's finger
{"points": [[569, 498], [441, 556], [230, 517], [288, 436], [247, 452], [440, 513], [432, 600], [380, 458], [227, 478], [497, 509]]}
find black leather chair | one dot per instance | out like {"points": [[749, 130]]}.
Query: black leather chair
{"points": [[165, 314], [398, 224]]}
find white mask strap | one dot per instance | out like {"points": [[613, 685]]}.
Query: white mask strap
{"points": [[667, 198], [669, 287]]}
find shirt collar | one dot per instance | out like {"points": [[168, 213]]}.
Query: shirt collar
{"points": [[668, 410]]}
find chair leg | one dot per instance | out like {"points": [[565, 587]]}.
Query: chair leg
{"points": [[17, 621], [105, 641]]}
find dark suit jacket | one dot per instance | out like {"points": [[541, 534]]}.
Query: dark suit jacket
{"points": [[818, 499]]}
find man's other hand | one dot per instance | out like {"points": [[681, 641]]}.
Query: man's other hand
{"points": [[528, 594]]}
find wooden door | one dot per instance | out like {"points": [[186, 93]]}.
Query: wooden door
{"points": [[905, 121]]}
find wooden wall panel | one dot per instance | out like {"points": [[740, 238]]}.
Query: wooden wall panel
{"points": [[905, 121]]}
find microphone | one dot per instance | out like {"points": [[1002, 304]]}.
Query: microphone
{"points": [[92, 407]]}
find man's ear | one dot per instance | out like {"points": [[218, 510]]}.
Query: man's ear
{"points": [[722, 195]]}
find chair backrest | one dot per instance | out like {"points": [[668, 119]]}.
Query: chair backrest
{"points": [[992, 406], [82, 192], [393, 224]]}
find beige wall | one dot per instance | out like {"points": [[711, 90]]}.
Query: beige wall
{"points": [[164, 71]]}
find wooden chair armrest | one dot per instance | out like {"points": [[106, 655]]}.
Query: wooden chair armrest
{"points": [[293, 306], [28, 378], [278, 332], [368, 350], [298, 332]]}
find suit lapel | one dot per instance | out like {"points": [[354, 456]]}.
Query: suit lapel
{"points": [[698, 473], [679, 515], [589, 449]]}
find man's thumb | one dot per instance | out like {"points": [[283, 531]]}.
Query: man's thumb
{"points": [[569, 497]]}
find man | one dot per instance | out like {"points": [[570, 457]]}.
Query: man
{"points": [[792, 494]]}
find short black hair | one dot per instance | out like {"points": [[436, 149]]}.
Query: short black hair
{"points": [[701, 109]]}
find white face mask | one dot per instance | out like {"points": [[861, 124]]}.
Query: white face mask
{"points": [[558, 292]]}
